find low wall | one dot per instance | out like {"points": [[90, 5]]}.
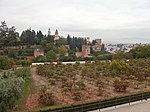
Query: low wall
{"points": [[97, 104], [81, 62]]}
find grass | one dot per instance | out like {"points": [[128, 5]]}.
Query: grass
{"points": [[26, 91]]}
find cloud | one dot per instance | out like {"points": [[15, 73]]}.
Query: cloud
{"points": [[108, 19]]}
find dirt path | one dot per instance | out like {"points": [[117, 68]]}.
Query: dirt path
{"points": [[32, 101], [38, 80]]}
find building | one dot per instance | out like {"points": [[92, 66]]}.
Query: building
{"points": [[56, 36], [85, 52], [78, 54], [97, 46], [98, 41], [49, 31], [87, 40], [38, 52]]}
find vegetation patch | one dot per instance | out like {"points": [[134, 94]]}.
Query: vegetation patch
{"points": [[78, 83]]}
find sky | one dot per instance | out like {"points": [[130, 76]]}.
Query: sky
{"points": [[114, 21]]}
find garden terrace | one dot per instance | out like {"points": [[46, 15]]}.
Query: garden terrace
{"points": [[76, 83]]}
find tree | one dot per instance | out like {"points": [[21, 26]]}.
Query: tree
{"points": [[50, 38], [62, 51], [119, 55], [8, 35], [28, 37], [119, 67], [40, 59], [25, 63], [39, 36], [61, 41], [104, 57], [141, 51], [75, 43], [3, 29], [51, 55], [49, 47], [43, 43]]}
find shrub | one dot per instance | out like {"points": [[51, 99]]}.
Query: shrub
{"points": [[11, 88], [5, 63], [81, 85], [24, 72], [120, 85], [46, 99], [77, 95], [52, 81], [25, 63]]}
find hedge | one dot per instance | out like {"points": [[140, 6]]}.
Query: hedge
{"points": [[88, 106]]}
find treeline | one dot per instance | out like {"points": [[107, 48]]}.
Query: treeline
{"points": [[29, 38], [10, 37], [76, 43], [135, 53]]}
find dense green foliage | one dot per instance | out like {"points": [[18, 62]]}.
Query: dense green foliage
{"points": [[25, 63], [23, 72], [5, 63], [28, 37], [11, 88], [51, 56], [8, 36], [27, 77], [75, 43], [104, 57], [137, 52], [11, 54], [141, 52]]}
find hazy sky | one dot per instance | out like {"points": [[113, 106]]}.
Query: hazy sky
{"points": [[112, 20]]}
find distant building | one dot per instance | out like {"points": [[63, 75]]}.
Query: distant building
{"points": [[56, 36], [114, 48], [49, 31], [98, 41], [85, 52], [78, 54], [87, 40], [97, 46], [38, 52]]}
